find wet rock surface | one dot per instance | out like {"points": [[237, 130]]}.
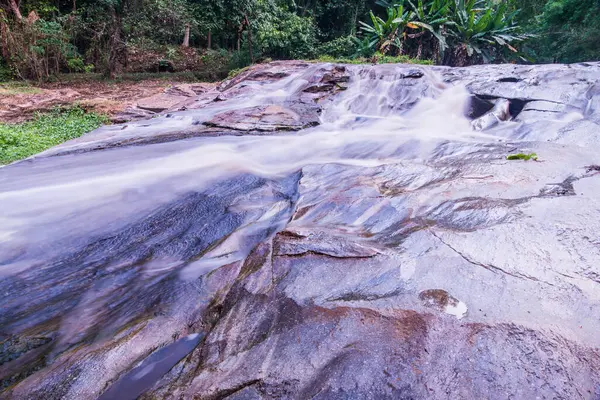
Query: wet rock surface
{"points": [[385, 248]]}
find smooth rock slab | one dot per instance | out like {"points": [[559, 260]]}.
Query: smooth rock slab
{"points": [[161, 102], [262, 118], [335, 265]]}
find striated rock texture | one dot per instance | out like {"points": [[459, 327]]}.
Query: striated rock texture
{"points": [[316, 231]]}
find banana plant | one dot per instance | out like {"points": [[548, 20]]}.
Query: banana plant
{"points": [[471, 29], [481, 26], [432, 17], [388, 32], [428, 16], [365, 46]]}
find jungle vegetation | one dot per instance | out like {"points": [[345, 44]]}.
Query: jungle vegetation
{"points": [[42, 38]]}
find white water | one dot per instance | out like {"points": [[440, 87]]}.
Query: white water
{"points": [[361, 128]]}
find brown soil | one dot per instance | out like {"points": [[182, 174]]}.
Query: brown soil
{"points": [[103, 97]]}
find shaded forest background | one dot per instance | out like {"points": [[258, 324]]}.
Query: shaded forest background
{"points": [[42, 38]]}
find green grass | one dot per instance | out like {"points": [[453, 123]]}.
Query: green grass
{"points": [[380, 60], [521, 156], [18, 141], [235, 72]]}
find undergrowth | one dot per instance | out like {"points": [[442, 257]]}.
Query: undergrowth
{"points": [[133, 77], [378, 59], [235, 72], [18, 141]]}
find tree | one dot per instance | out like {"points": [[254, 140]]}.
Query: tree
{"points": [[569, 31], [13, 7]]}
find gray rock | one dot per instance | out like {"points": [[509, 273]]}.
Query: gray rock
{"points": [[381, 255], [161, 102]]}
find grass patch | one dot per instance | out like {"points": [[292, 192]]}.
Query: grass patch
{"points": [[378, 60], [522, 156], [18, 141], [235, 72], [15, 88]]}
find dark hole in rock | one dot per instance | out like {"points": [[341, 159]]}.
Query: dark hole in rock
{"points": [[482, 104], [592, 168], [509, 79], [479, 107], [413, 73], [516, 106]]}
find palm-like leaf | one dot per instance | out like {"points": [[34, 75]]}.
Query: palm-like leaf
{"points": [[480, 27]]}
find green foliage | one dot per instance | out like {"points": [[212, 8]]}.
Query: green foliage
{"points": [[388, 32], [76, 64], [342, 47], [378, 58], [365, 46], [401, 59], [216, 59], [240, 59], [6, 74], [521, 156], [482, 29], [23, 140], [334, 18], [471, 30], [569, 31], [235, 72], [37, 47], [215, 65], [84, 35], [162, 21], [283, 34]]}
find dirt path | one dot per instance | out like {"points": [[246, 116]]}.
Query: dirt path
{"points": [[118, 100]]}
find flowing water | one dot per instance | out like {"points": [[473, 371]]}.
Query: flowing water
{"points": [[93, 242], [361, 128]]}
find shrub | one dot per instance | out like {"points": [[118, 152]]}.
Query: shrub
{"points": [[159, 21], [37, 48], [6, 73], [570, 31], [282, 34], [344, 46]]}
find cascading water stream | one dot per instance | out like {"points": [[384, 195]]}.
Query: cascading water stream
{"points": [[361, 128], [161, 251]]}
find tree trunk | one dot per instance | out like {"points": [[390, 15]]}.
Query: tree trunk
{"points": [[74, 5], [186, 38], [4, 32], [15, 9], [239, 33], [354, 21], [116, 47], [249, 38], [209, 45]]}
